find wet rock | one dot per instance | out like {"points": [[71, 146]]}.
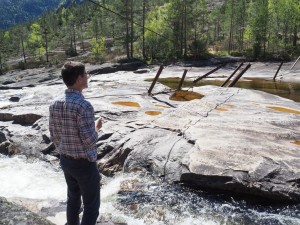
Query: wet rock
{"points": [[2, 137], [4, 148], [26, 119], [46, 139], [110, 221], [8, 82], [49, 149], [14, 99], [141, 71], [6, 116], [130, 186], [13, 214]]}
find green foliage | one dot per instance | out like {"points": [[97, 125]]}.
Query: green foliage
{"points": [[98, 48], [159, 46], [35, 40], [4, 41], [198, 49], [264, 29]]}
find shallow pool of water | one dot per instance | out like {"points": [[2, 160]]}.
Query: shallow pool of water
{"points": [[284, 89]]}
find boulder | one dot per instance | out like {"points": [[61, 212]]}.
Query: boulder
{"points": [[14, 214], [233, 140]]}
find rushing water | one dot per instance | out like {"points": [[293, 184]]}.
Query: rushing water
{"points": [[139, 199]]}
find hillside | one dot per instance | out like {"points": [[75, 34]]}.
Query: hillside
{"points": [[13, 12]]}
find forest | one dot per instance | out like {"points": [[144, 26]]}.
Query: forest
{"points": [[155, 30]]}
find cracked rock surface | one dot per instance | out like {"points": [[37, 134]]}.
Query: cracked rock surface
{"points": [[235, 140]]}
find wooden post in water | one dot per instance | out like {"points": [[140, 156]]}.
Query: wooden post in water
{"points": [[232, 74], [155, 79], [210, 72], [277, 70], [239, 76], [295, 63], [182, 80]]}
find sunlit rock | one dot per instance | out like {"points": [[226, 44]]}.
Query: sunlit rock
{"points": [[234, 140]]}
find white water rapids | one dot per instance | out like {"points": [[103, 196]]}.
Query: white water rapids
{"points": [[157, 203]]}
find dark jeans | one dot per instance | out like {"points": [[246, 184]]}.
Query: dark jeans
{"points": [[83, 179]]}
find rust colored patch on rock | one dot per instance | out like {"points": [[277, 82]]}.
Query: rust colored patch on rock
{"points": [[222, 109], [230, 105], [153, 113], [130, 104], [286, 110], [185, 96], [296, 143]]}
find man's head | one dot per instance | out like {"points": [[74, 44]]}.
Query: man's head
{"points": [[74, 75]]}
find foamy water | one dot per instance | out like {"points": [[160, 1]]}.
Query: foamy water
{"points": [[158, 203], [36, 180]]}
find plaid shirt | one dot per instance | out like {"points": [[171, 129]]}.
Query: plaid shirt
{"points": [[72, 126]]}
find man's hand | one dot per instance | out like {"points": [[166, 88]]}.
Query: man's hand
{"points": [[98, 124]]}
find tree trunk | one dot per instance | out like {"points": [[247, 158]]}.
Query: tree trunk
{"points": [[46, 43], [1, 66], [127, 30], [131, 29], [181, 32], [185, 30], [82, 42], [242, 28], [295, 37], [46, 39], [23, 49], [231, 30], [143, 29], [74, 39]]}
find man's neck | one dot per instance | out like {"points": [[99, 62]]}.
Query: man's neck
{"points": [[75, 88]]}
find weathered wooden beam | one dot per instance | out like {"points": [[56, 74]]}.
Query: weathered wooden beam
{"points": [[155, 79], [239, 75], [182, 80], [234, 72], [277, 71], [210, 72], [295, 63]]}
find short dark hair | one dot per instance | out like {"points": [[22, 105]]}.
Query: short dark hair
{"points": [[71, 71]]}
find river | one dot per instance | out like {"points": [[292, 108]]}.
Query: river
{"points": [[139, 199]]}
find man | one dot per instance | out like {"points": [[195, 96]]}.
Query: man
{"points": [[74, 134]]}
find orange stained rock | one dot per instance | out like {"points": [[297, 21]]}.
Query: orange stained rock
{"points": [[131, 104], [222, 109], [230, 105], [286, 110], [296, 142], [185, 96], [153, 113]]}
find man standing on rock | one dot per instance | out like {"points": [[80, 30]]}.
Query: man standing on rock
{"points": [[74, 134]]}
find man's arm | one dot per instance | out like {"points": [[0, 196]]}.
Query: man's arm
{"points": [[87, 126], [53, 135]]}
